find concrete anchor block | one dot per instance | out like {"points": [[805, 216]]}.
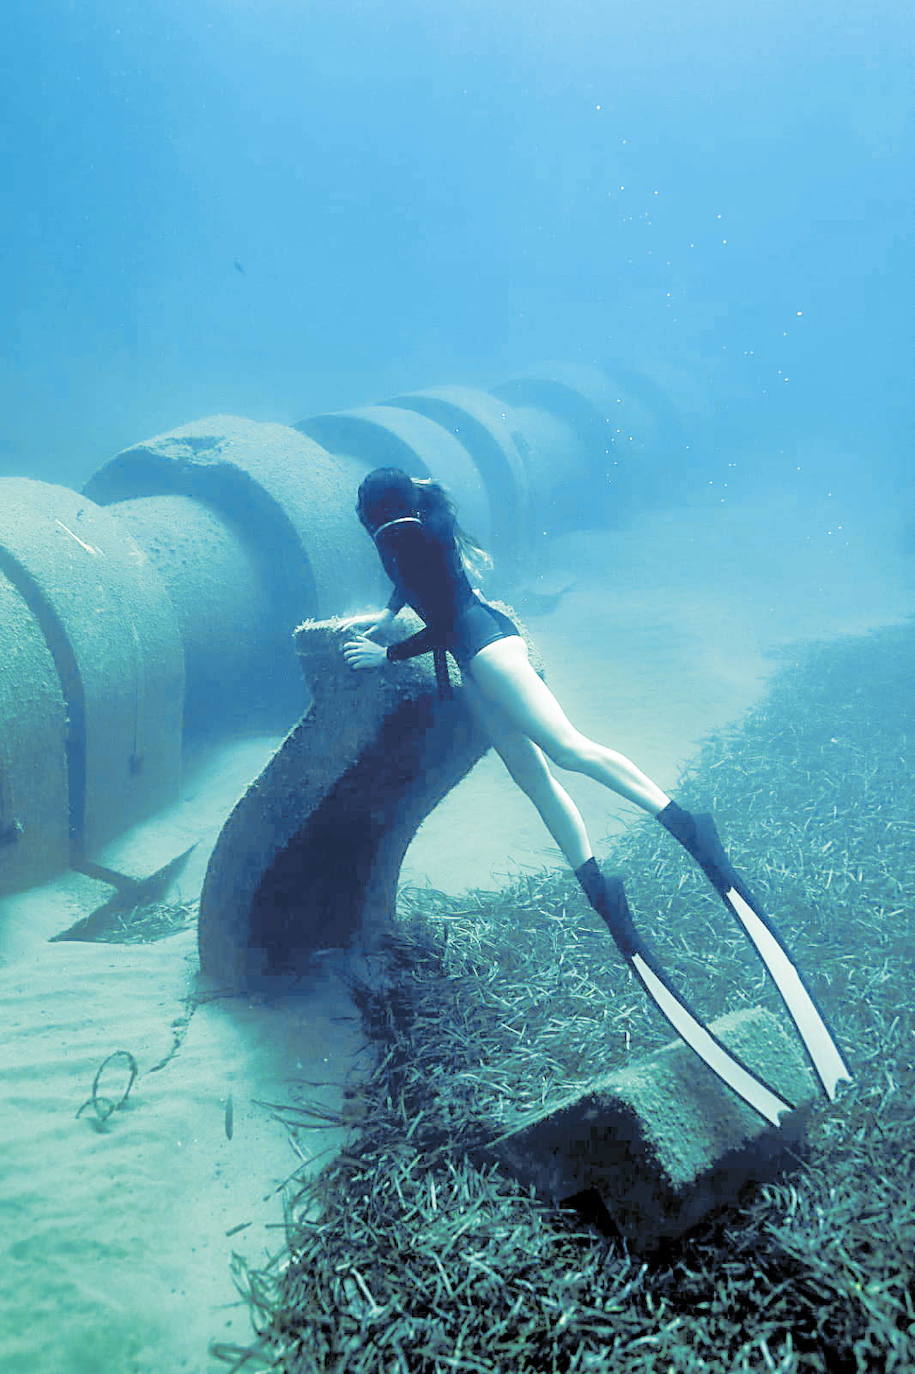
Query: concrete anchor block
{"points": [[663, 1141], [310, 856]]}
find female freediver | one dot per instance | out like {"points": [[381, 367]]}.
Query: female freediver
{"points": [[426, 554]]}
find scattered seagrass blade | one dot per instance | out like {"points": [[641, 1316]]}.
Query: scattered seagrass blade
{"points": [[663, 1141]]}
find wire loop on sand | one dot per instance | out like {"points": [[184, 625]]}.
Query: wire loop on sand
{"points": [[104, 1107]]}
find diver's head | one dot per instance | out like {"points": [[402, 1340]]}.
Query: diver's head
{"points": [[385, 494]]}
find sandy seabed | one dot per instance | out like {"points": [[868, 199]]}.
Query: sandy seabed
{"points": [[116, 1243]]}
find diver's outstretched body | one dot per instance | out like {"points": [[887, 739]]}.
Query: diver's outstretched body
{"points": [[424, 551]]}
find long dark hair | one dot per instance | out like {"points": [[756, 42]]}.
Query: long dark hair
{"points": [[390, 494]]}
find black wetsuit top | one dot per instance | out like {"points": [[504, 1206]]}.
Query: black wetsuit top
{"points": [[428, 574], [424, 562]]}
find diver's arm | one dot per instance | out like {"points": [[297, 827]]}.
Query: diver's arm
{"points": [[422, 642]]}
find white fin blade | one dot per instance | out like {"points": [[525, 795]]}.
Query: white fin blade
{"points": [[829, 1064], [767, 1103]]}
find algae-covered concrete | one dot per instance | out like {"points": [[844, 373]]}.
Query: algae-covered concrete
{"points": [[111, 630], [310, 856], [34, 803], [237, 657], [663, 1141], [287, 496]]}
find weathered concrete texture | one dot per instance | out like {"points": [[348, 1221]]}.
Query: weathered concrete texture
{"points": [[34, 804], [112, 632], [220, 589], [484, 426], [288, 498], [384, 436], [646, 428], [556, 461], [310, 856], [663, 1141], [572, 420], [623, 426]]}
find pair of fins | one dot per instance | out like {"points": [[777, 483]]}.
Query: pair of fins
{"points": [[705, 846]]}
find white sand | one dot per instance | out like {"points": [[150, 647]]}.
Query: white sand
{"points": [[113, 1244]]}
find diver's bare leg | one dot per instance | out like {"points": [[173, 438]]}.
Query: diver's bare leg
{"points": [[503, 675], [529, 769]]}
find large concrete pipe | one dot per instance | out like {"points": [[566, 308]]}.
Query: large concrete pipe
{"points": [[645, 420], [112, 633], [569, 450], [605, 434], [220, 536], [222, 596], [483, 425], [291, 544], [383, 436], [34, 801], [644, 424]]}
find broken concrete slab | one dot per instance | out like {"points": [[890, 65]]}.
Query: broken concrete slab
{"points": [[663, 1141], [31, 918]]}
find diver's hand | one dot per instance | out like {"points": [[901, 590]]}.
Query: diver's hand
{"points": [[370, 619], [362, 653], [373, 622]]}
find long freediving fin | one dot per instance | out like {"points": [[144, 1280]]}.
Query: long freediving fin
{"points": [[609, 900], [704, 844]]}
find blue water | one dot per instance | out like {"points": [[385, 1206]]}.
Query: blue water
{"points": [[278, 207]]}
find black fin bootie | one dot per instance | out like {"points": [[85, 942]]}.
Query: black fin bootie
{"points": [[608, 898], [699, 837]]}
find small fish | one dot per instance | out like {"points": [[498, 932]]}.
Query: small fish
{"points": [[96, 553], [238, 267], [230, 1117]]}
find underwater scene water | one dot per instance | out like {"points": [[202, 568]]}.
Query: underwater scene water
{"points": [[520, 979]]}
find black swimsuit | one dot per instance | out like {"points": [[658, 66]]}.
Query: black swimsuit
{"points": [[425, 565]]}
